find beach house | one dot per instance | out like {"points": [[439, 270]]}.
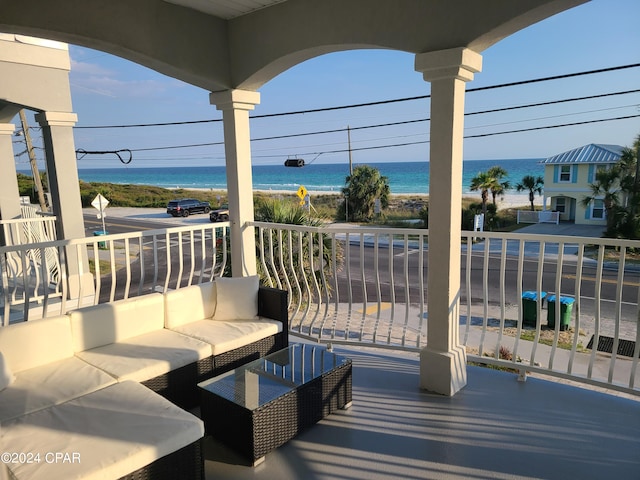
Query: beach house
{"points": [[567, 181]]}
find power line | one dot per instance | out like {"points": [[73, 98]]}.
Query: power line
{"points": [[531, 129], [389, 124], [380, 102], [81, 153], [481, 135]]}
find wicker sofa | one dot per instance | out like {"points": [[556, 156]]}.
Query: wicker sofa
{"points": [[169, 342], [92, 382], [61, 417]]}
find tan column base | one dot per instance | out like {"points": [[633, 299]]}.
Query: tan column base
{"points": [[444, 373]]}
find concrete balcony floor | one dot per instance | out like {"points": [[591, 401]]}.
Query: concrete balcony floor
{"points": [[495, 428]]}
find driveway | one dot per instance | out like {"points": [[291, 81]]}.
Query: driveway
{"points": [[565, 229]]}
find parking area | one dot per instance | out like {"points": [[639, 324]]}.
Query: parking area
{"points": [[563, 229]]}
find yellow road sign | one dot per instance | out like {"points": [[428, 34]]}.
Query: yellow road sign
{"points": [[302, 192]]}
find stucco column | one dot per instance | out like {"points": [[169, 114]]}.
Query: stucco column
{"points": [[235, 106], [9, 193], [62, 171], [443, 361]]}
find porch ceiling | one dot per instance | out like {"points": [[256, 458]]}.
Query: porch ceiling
{"points": [[226, 9], [223, 44]]}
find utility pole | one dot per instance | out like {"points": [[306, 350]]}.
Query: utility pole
{"points": [[346, 200], [350, 159], [32, 161]]}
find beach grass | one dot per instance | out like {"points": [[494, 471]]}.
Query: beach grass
{"points": [[405, 210]]}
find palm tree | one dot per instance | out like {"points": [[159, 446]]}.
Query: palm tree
{"points": [[500, 186], [606, 188], [483, 182], [533, 185], [288, 254], [363, 187], [629, 176]]}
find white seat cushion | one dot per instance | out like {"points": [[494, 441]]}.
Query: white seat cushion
{"points": [[147, 356], [50, 384], [113, 322], [30, 344], [188, 304], [6, 375], [226, 336], [237, 298], [113, 432]]}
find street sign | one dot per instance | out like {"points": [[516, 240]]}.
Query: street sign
{"points": [[100, 203], [302, 192]]}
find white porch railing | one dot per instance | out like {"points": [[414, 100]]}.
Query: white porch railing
{"points": [[362, 291], [33, 228], [123, 265], [368, 286], [544, 216]]}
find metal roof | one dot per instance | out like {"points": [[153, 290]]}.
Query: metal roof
{"points": [[592, 153]]}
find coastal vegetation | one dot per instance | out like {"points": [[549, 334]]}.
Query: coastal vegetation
{"points": [[366, 193], [618, 188], [289, 251], [490, 182], [411, 211], [532, 185]]}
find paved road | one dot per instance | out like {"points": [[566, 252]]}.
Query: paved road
{"points": [[121, 220]]}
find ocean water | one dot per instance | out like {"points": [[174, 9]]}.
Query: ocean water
{"points": [[404, 177]]}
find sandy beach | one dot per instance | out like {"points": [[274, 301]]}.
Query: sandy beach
{"points": [[509, 200]]}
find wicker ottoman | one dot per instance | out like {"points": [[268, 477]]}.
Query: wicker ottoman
{"points": [[263, 404]]}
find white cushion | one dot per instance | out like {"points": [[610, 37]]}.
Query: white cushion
{"points": [[30, 344], [226, 336], [147, 356], [107, 323], [114, 431], [189, 304], [6, 375], [237, 298], [51, 384]]}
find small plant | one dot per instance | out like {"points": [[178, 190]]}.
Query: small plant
{"points": [[505, 353]]}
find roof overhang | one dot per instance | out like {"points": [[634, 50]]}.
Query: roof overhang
{"points": [[223, 44]]}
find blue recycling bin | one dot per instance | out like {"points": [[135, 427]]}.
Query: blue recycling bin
{"points": [[530, 306], [566, 306], [97, 233]]}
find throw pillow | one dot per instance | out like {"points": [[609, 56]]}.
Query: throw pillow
{"points": [[236, 298], [6, 377]]}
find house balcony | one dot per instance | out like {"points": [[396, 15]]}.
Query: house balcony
{"points": [[558, 403], [494, 428]]}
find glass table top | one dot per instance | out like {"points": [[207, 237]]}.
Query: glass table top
{"points": [[263, 380]]}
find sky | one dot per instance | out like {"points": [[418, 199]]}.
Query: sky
{"points": [[107, 90]]}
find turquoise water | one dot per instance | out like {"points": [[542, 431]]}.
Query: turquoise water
{"points": [[404, 177]]}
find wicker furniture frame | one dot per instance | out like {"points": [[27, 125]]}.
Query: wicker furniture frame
{"points": [[255, 432], [184, 464]]}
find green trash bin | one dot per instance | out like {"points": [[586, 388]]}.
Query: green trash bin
{"points": [[97, 233], [566, 306], [530, 306]]}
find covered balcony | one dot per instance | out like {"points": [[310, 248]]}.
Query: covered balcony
{"points": [[550, 407], [411, 307]]}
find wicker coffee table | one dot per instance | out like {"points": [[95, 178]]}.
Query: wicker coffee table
{"points": [[263, 404]]}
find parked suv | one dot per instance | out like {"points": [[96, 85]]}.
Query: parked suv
{"points": [[186, 206], [220, 214]]}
